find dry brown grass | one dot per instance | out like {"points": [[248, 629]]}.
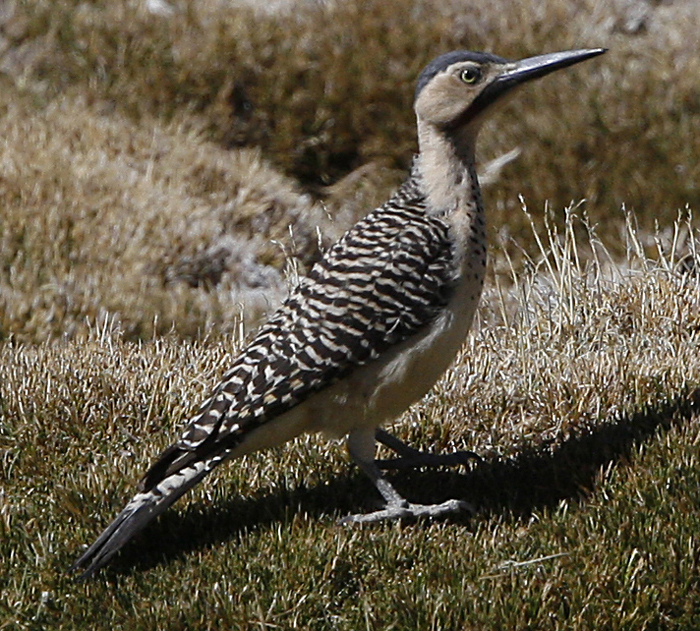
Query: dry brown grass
{"points": [[151, 228], [326, 87], [124, 200]]}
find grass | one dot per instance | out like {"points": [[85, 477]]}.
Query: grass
{"points": [[585, 497], [162, 179], [167, 156], [306, 85]]}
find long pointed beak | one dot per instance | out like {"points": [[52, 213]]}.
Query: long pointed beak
{"points": [[535, 67], [518, 72]]}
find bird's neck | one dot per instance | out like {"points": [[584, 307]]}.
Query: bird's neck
{"points": [[447, 173], [448, 179]]}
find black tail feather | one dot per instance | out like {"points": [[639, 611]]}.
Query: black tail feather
{"points": [[143, 508]]}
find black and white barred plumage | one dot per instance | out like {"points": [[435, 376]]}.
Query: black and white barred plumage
{"points": [[383, 281], [375, 323]]}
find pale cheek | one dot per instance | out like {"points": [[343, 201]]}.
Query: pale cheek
{"points": [[441, 104]]}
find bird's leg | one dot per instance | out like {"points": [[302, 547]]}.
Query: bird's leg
{"points": [[361, 448], [411, 458]]}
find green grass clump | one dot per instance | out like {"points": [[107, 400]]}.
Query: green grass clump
{"points": [[578, 387]]}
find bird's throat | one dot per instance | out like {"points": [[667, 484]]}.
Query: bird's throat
{"points": [[449, 182], [447, 172]]}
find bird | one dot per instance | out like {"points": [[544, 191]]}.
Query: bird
{"points": [[373, 325]]}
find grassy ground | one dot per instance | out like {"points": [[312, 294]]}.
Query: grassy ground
{"points": [[152, 165], [163, 176], [578, 389]]}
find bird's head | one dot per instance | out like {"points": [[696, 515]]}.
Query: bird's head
{"points": [[456, 90]]}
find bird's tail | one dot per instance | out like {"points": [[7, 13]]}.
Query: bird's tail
{"points": [[145, 506]]}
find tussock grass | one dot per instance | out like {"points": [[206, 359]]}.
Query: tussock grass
{"points": [[150, 229], [159, 169], [578, 387]]}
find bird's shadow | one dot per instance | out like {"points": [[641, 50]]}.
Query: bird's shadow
{"points": [[537, 478]]}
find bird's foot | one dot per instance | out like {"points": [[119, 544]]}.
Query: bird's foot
{"points": [[405, 510]]}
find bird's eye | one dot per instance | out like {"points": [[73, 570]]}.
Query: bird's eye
{"points": [[470, 75]]}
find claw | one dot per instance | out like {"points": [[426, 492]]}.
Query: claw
{"points": [[404, 509]]}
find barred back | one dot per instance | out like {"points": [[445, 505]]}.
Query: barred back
{"points": [[383, 281]]}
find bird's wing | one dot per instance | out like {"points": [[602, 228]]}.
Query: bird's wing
{"points": [[381, 283], [385, 280]]}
